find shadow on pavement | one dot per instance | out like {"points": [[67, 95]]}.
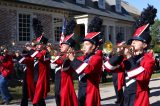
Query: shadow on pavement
{"points": [[108, 98], [154, 88], [156, 93], [110, 105], [50, 97], [155, 79], [156, 103]]}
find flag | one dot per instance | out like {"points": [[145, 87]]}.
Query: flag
{"points": [[63, 29]]}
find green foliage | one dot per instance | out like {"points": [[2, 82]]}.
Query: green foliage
{"points": [[156, 49], [154, 33]]}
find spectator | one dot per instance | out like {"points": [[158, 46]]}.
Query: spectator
{"points": [[157, 62], [6, 67], [18, 68]]}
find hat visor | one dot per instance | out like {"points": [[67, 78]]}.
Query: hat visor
{"points": [[65, 43], [90, 40], [138, 38]]}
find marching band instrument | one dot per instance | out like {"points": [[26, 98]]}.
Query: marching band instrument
{"points": [[54, 52], [108, 48]]}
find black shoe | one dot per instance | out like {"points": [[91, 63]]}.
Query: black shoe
{"points": [[117, 102], [6, 103], [10, 99], [2, 103]]}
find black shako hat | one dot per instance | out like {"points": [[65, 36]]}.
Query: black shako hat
{"points": [[94, 31], [143, 24]]}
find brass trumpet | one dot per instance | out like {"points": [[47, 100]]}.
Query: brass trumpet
{"points": [[55, 53], [78, 51], [108, 48]]}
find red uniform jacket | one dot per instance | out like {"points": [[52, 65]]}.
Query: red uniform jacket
{"points": [[42, 86], [6, 65], [29, 75], [93, 70], [67, 93], [120, 77], [120, 80], [142, 74]]}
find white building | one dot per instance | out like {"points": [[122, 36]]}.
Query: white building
{"points": [[16, 18]]}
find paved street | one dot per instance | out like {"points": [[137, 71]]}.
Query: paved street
{"points": [[108, 95]]}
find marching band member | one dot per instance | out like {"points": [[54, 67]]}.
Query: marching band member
{"points": [[28, 88], [89, 66], [6, 68], [138, 68], [52, 51], [41, 71], [64, 88], [118, 79]]}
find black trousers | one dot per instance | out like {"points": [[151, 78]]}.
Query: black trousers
{"points": [[40, 103], [24, 100], [82, 93], [129, 99], [57, 87], [119, 94]]}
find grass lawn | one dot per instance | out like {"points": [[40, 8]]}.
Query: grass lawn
{"points": [[155, 75], [16, 92]]}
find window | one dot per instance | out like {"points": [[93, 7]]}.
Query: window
{"points": [[80, 1], [101, 4], [58, 22], [118, 6], [57, 31], [119, 34], [128, 33], [103, 32], [110, 32], [122, 31], [24, 27]]}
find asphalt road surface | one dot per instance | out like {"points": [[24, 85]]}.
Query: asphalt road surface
{"points": [[108, 95]]}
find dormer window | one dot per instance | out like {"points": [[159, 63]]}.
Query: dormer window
{"points": [[80, 2], [101, 4], [118, 6]]}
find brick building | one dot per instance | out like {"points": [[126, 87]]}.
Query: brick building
{"points": [[16, 18]]}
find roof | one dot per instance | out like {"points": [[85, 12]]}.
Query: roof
{"points": [[68, 5], [128, 7]]}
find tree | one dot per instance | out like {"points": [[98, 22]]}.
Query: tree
{"points": [[155, 33]]}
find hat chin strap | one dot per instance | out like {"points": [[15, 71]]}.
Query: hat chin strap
{"points": [[90, 52], [139, 52]]}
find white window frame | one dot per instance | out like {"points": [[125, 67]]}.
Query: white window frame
{"points": [[59, 25], [31, 29]]}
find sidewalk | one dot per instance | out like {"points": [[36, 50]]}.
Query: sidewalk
{"points": [[108, 95]]}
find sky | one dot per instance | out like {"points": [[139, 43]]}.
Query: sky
{"points": [[140, 4]]}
